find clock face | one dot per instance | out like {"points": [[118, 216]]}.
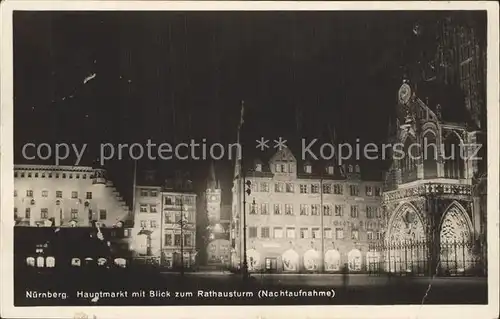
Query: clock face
{"points": [[213, 197], [404, 93]]}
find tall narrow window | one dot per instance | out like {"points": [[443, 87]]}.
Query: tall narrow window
{"points": [[408, 164], [453, 158], [430, 154]]}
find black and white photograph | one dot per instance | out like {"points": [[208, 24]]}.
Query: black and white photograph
{"points": [[176, 156]]}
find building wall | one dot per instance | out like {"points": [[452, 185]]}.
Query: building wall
{"points": [[150, 203], [68, 195], [297, 232]]}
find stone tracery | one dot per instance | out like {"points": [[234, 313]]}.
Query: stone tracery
{"points": [[455, 234]]}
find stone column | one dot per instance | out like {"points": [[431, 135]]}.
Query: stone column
{"points": [[433, 240]]}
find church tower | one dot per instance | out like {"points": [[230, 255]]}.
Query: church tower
{"points": [[213, 197]]}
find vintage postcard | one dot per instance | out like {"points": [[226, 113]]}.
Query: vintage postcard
{"points": [[287, 159]]}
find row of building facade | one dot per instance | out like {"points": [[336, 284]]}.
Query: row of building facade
{"points": [[305, 216]]}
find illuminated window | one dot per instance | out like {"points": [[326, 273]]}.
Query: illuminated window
{"points": [[40, 262], [339, 232], [315, 188], [314, 209], [327, 210], [338, 189], [339, 210], [304, 210], [50, 262], [278, 187], [44, 213], [354, 211], [76, 262], [277, 209], [30, 261], [355, 234], [264, 187], [278, 232], [369, 191], [303, 189], [263, 209], [316, 233], [121, 262], [328, 233], [264, 232], [101, 261], [354, 190], [327, 188], [304, 233]]}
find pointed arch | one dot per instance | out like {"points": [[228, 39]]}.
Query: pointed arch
{"points": [[455, 239], [454, 160], [395, 218], [455, 224]]}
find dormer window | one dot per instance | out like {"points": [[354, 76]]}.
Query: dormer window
{"points": [[329, 170], [258, 167], [308, 168], [350, 169]]}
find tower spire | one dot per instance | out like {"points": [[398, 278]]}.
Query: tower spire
{"points": [[212, 182]]}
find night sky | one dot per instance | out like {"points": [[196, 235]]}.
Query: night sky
{"points": [[173, 76]]}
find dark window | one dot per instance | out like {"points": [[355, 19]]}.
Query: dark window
{"points": [[102, 214], [168, 240], [264, 232], [252, 232], [177, 239]]}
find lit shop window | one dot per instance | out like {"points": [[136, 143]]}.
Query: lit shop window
{"points": [[76, 262], [121, 262], [50, 262], [40, 262], [30, 261], [101, 261]]}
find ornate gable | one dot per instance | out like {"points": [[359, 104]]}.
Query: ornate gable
{"points": [[283, 155]]}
